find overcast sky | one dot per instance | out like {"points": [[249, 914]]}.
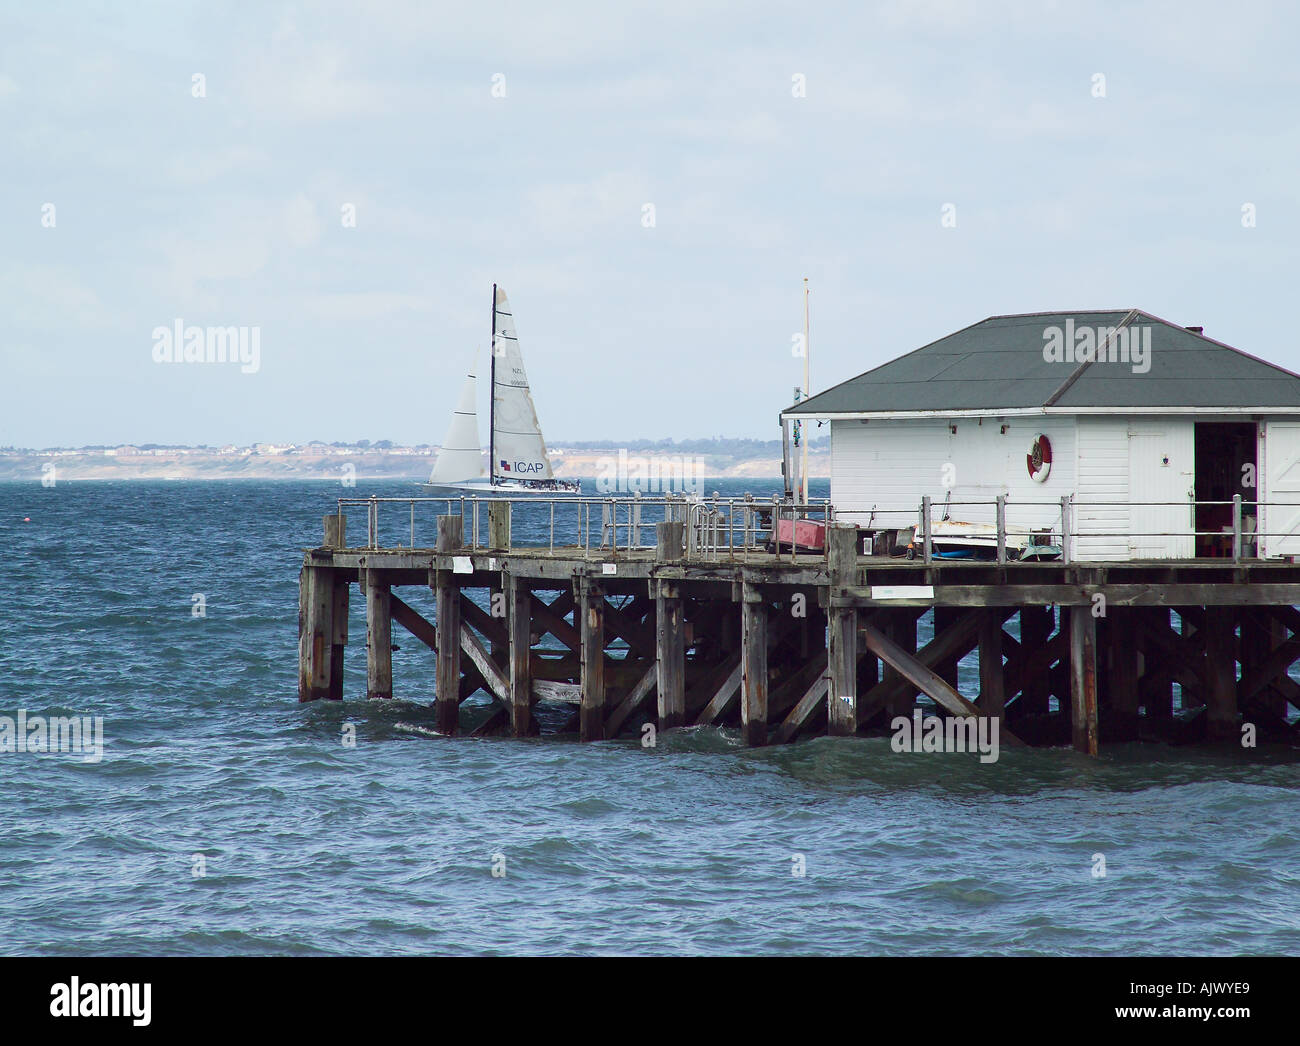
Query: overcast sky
{"points": [[227, 209]]}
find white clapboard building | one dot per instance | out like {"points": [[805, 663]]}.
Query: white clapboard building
{"points": [[1144, 424]]}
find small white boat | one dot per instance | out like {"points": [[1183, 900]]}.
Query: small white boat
{"points": [[955, 538], [519, 465]]}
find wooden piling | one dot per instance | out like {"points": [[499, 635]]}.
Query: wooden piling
{"points": [[339, 635], [315, 632], [451, 539], [753, 670], [1122, 652], [499, 525], [1083, 678], [340, 592], [757, 666], [520, 624], [1037, 623], [1158, 684], [992, 699], [947, 669], [1221, 674], [379, 636], [591, 609], [670, 630], [842, 632], [335, 531]]}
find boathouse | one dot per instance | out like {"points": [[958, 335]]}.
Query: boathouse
{"points": [[1139, 431]]}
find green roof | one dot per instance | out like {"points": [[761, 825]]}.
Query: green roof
{"points": [[1000, 364]]}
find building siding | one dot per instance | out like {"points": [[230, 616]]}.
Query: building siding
{"points": [[889, 466], [880, 471], [1102, 501]]}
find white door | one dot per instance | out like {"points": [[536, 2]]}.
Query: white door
{"points": [[1280, 523], [1161, 470]]}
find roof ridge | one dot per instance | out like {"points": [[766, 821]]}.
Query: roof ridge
{"points": [[1055, 312]]}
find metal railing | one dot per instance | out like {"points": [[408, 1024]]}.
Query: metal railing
{"points": [[736, 528], [1241, 539], [716, 527]]}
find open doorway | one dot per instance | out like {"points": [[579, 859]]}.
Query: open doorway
{"points": [[1225, 466]]}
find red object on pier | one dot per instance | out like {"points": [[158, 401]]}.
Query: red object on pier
{"points": [[809, 534]]}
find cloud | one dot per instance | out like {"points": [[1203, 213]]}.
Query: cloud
{"points": [[198, 166], [301, 222], [309, 81], [362, 305]]}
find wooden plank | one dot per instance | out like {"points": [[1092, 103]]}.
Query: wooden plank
{"points": [[753, 672], [918, 674], [497, 681], [1285, 615], [1136, 595], [639, 638], [1261, 634], [1185, 659], [900, 627], [788, 692], [494, 629], [1083, 679], [923, 678], [722, 697], [1270, 670], [413, 621], [633, 700], [806, 705], [549, 619], [957, 641], [549, 690]]}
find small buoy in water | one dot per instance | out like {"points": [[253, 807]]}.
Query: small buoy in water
{"points": [[27, 519]]}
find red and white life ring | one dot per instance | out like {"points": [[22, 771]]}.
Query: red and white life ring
{"points": [[1039, 459]]}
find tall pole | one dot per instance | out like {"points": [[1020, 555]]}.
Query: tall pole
{"points": [[803, 468], [492, 398]]}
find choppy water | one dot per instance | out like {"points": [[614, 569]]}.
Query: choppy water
{"points": [[387, 848]]}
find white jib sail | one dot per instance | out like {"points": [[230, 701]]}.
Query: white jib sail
{"points": [[460, 456], [517, 434]]}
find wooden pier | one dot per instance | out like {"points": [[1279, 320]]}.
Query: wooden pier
{"points": [[783, 645]]}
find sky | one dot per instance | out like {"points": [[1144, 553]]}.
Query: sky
{"points": [[651, 184]]}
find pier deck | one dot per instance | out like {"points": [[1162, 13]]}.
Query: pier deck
{"points": [[784, 645]]}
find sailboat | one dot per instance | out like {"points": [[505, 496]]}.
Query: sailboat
{"points": [[518, 464]]}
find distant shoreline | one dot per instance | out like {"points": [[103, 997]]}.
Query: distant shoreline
{"points": [[736, 459]]}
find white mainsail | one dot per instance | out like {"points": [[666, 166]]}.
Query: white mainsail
{"points": [[519, 450], [460, 457]]}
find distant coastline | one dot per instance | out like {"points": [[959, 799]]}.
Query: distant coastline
{"points": [[365, 461]]}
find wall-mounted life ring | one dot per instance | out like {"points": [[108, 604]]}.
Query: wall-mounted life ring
{"points": [[1039, 459]]}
